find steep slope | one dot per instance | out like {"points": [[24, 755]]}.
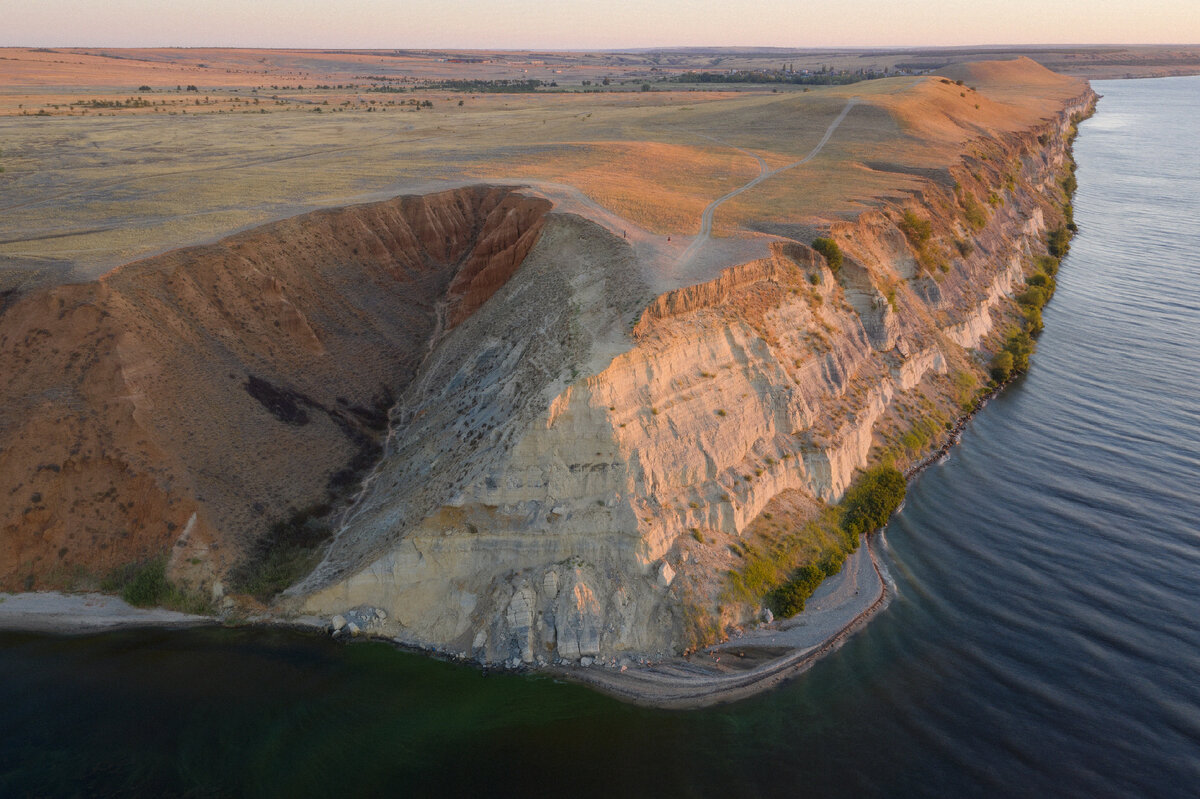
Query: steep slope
{"points": [[565, 517], [190, 400], [558, 464]]}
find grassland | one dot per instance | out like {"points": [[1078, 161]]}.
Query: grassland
{"points": [[109, 157]]}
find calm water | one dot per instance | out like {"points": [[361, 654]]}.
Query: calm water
{"points": [[1045, 641]]}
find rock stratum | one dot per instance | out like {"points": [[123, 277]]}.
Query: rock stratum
{"points": [[528, 454]]}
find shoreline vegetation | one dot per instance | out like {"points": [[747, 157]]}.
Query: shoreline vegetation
{"points": [[866, 507], [759, 660], [781, 572]]}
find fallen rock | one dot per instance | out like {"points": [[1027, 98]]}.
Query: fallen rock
{"points": [[666, 575]]}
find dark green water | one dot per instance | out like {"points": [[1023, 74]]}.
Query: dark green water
{"points": [[1045, 640]]}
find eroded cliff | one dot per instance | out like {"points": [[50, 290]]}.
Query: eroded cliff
{"points": [[566, 480], [525, 455]]}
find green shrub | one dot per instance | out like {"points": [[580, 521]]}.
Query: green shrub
{"points": [[872, 500], [789, 599], [1047, 264], [1001, 366], [818, 549], [964, 388], [1059, 242], [290, 549], [1039, 287], [1032, 297], [920, 436], [1033, 320], [145, 584], [149, 585], [1069, 184], [1020, 345], [1069, 215], [917, 230], [759, 575], [832, 563], [832, 252]]}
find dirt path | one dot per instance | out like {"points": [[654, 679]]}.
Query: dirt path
{"points": [[706, 218]]}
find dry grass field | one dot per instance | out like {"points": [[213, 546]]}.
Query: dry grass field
{"points": [[97, 173]]}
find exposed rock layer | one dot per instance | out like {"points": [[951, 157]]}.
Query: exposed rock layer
{"points": [[552, 521], [551, 438]]}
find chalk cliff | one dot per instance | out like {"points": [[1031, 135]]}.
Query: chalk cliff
{"points": [[526, 455], [543, 477]]}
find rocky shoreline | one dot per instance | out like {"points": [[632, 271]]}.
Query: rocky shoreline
{"points": [[649, 685], [955, 435], [755, 662], [665, 683]]}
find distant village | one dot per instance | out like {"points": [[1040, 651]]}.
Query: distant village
{"points": [[789, 75]]}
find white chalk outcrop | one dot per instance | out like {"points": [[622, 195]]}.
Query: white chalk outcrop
{"points": [[559, 443]]}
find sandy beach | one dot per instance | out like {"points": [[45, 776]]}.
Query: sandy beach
{"points": [[55, 612], [759, 659]]}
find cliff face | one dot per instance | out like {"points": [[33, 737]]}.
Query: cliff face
{"points": [[187, 401], [557, 464], [551, 474]]}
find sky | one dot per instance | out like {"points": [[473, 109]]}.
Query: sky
{"points": [[593, 24]]}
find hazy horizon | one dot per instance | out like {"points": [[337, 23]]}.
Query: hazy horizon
{"points": [[598, 25], [632, 49]]}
